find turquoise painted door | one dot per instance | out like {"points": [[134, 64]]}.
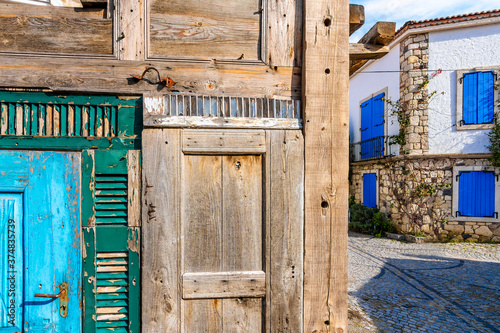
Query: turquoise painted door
{"points": [[40, 247]]}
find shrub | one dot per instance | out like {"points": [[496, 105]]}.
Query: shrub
{"points": [[368, 220]]}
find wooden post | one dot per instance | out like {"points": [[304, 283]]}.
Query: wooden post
{"points": [[325, 96], [130, 39]]}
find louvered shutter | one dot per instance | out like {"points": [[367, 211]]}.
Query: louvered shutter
{"points": [[378, 122], [370, 189], [111, 264], [366, 128], [476, 193], [478, 98]]}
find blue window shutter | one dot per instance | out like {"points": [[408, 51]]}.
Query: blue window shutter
{"points": [[369, 190], [378, 122], [476, 193], [366, 120], [469, 100], [485, 97], [372, 127], [477, 99]]}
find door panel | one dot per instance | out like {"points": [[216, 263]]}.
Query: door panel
{"points": [[222, 228], [11, 261], [49, 185]]}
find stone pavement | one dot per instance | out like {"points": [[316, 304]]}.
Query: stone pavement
{"points": [[406, 287]]}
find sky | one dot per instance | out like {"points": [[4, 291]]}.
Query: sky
{"points": [[400, 11]]}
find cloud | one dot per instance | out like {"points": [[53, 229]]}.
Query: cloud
{"points": [[401, 11]]}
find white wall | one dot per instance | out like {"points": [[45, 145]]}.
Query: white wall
{"points": [[383, 73], [451, 50]]}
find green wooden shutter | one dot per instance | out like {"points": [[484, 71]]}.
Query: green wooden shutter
{"points": [[111, 260]]}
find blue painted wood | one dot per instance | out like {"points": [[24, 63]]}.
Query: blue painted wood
{"points": [[476, 193], [478, 98], [49, 184], [11, 262], [372, 127], [370, 189]]}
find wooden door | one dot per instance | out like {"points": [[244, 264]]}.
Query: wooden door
{"points": [[222, 231], [222, 254], [41, 251]]}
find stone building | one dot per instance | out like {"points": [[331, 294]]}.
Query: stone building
{"points": [[419, 123]]}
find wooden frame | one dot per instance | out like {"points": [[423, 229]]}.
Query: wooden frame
{"points": [[459, 99], [280, 280], [326, 124]]}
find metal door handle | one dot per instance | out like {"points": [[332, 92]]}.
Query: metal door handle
{"points": [[64, 299], [49, 295]]}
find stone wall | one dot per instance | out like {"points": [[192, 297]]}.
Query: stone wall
{"points": [[406, 186], [414, 59]]}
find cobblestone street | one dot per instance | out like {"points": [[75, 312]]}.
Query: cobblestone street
{"points": [[405, 287]]}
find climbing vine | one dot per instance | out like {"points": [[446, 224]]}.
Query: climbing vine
{"points": [[414, 196], [494, 135]]}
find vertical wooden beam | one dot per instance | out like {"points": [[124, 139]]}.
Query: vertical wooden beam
{"points": [[134, 188], [130, 39], [325, 97]]}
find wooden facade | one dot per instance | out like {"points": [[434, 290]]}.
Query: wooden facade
{"points": [[213, 140]]}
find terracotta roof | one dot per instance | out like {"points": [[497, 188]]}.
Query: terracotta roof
{"points": [[447, 20]]}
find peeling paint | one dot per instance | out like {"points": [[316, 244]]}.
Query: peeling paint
{"points": [[133, 242]]}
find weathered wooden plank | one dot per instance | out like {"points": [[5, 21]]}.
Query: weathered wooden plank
{"points": [[359, 51], [223, 142], [284, 33], [242, 315], [203, 315], [242, 214], [225, 123], [131, 30], [161, 198], [242, 236], [111, 269], [42, 113], [382, 33], [286, 229], [56, 109], [71, 120], [223, 285], [202, 209], [54, 30], [111, 310], [19, 119], [111, 289], [134, 188], [106, 75], [112, 255], [356, 17], [326, 96], [226, 30], [202, 234], [111, 317], [4, 120]]}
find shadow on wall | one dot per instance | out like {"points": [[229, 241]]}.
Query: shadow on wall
{"points": [[431, 294]]}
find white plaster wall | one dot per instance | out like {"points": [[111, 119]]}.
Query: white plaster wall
{"points": [[451, 50], [383, 73]]}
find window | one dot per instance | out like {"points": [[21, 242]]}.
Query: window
{"points": [[476, 194], [476, 98], [372, 126], [370, 189]]}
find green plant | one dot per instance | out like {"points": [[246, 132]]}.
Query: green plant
{"points": [[494, 147], [368, 220], [494, 135]]}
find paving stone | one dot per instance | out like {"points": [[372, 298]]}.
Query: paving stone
{"points": [[406, 287]]}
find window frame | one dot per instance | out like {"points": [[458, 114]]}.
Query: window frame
{"points": [[455, 198], [377, 188], [460, 94], [386, 110]]}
